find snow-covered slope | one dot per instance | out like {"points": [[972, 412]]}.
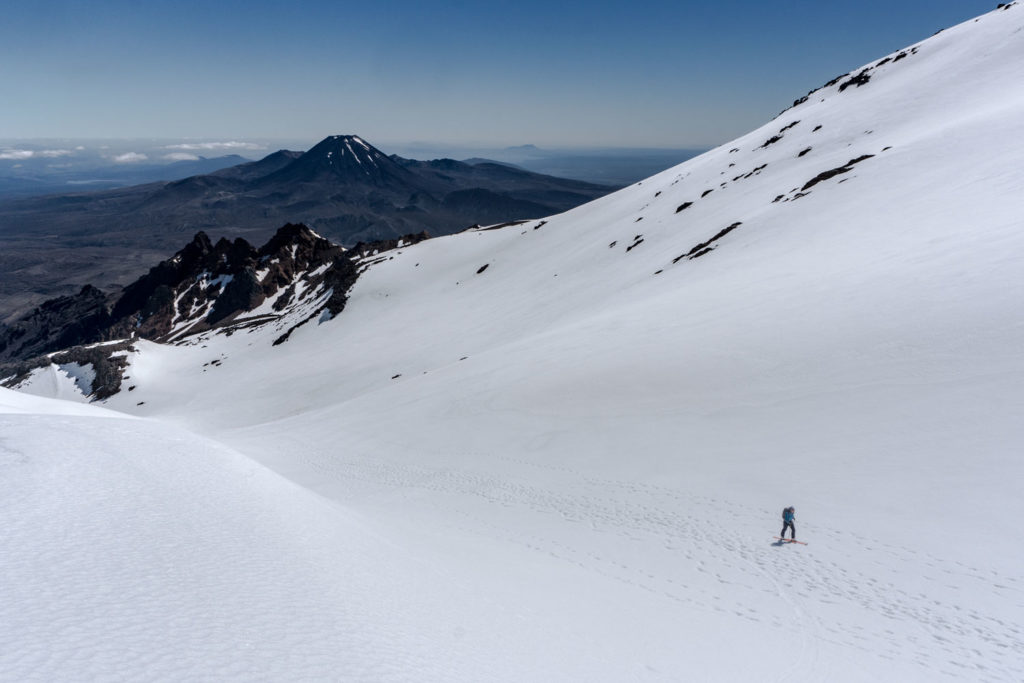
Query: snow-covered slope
{"points": [[135, 551], [595, 420]]}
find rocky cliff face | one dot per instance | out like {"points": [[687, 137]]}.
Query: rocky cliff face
{"points": [[57, 324], [204, 286]]}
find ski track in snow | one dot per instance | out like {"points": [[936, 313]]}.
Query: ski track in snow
{"points": [[647, 532]]}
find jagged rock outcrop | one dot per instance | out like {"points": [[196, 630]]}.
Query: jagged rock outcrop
{"points": [[57, 324], [105, 362], [204, 286]]}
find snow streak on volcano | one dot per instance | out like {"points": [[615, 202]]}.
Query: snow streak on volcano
{"points": [[559, 450]]}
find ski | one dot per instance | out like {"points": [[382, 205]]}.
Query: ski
{"points": [[789, 540]]}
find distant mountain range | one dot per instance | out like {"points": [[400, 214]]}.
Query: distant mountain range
{"points": [[343, 187]]}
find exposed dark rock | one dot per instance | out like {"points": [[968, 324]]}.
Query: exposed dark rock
{"points": [[831, 173], [775, 138], [499, 226], [198, 256], [107, 362], [242, 293], [858, 80], [835, 80], [684, 205], [756, 171], [202, 287], [702, 248], [284, 298], [56, 324]]}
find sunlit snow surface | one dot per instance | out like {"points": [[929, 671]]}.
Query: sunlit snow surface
{"points": [[571, 465], [131, 550]]}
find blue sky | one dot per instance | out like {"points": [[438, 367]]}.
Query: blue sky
{"points": [[659, 74]]}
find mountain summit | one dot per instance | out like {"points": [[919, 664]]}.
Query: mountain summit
{"points": [[346, 159]]}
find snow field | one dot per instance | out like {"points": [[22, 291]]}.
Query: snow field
{"points": [[132, 549], [570, 465]]}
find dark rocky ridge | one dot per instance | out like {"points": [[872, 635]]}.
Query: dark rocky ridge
{"points": [[107, 362], [204, 286]]}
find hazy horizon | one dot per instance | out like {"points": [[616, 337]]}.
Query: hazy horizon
{"points": [[256, 147], [52, 165]]}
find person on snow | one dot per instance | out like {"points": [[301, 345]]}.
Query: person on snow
{"points": [[788, 517]]}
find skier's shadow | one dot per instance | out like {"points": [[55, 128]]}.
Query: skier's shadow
{"points": [[779, 544]]}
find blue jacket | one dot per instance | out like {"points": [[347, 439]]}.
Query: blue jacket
{"points": [[787, 515]]}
